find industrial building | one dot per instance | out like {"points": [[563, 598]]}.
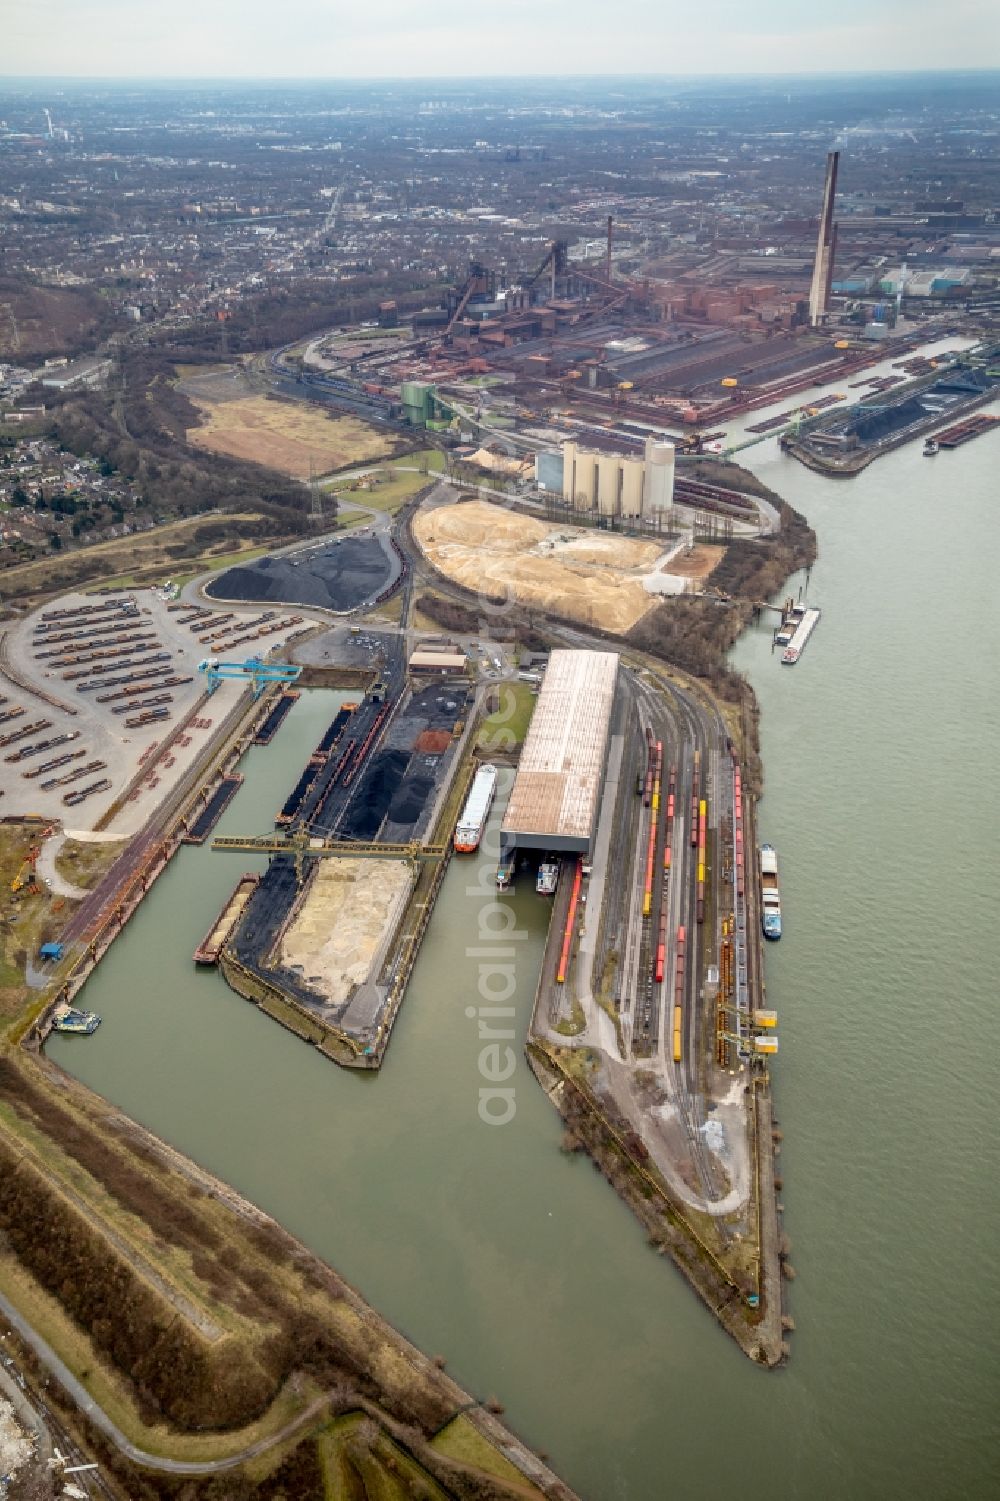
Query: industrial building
{"points": [[626, 485], [557, 792], [443, 662]]}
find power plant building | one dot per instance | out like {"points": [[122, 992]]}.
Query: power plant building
{"points": [[625, 485], [557, 791]]}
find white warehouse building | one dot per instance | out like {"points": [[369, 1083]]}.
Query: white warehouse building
{"points": [[556, 796], [623, 485]]}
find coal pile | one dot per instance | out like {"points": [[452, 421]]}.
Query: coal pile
{"points": [[375, 794], [872, 424], [340, 576], [408, 803]]}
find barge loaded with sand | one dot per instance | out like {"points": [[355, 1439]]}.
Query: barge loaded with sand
{"points": [[214, 942]]}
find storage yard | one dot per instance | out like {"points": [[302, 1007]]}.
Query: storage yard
{"points": [[589, 576], [338, 575], [102, 697], [344, 923], [328, 933]]}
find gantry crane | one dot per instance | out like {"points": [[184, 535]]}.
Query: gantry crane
{"points": [[302, 846], [260, 673]]}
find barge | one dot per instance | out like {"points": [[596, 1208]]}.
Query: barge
{"points": [[805, 621], [213, 810], [275, 717], [770, 896], [470, 826], [218, 936], [965, 430]]}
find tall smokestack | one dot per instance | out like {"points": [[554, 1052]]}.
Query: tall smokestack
{"points": [[826, 241]]}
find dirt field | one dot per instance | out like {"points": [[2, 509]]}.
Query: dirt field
{"points": [[593, 577], [695, 562], [288, 436]]}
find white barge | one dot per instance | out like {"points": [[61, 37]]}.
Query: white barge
{"points": [[807, 623], [469, 829]]}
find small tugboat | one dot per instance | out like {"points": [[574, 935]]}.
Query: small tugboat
{"points": [[81, 1023], [930, 447]]}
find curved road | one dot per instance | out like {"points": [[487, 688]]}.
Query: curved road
{"points": [[124, 1445]]}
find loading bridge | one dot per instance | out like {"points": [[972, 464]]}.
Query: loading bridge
{"points": [[254, 670]]}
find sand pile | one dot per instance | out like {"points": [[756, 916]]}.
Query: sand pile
{"points": [[350, 909], [580, 574]]}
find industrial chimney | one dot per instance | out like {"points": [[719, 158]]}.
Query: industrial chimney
{"points": [[826, 245]]}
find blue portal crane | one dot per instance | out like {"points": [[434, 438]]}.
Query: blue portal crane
{"points": [[260, 673]]}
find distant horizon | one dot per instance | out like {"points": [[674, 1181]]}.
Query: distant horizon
{"points": [[393, 40], [804, 75]]}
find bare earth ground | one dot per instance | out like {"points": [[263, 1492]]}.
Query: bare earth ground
{"points": [[696, 562], [349, 907], [295, 438], [593, 577]]}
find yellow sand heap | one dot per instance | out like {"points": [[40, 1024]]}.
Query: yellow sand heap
{"points": [[350, 910], [589, 576]]}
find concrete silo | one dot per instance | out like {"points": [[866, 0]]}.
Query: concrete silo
{"points": [[659, 487]]}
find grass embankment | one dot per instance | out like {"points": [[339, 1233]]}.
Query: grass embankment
{"points": [[198, 1325], [190, 569], [124, 562], [461, 1440], [505, 727]]}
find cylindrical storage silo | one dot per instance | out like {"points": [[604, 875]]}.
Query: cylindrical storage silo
{"points": [[632, 487], [660, 479], [608, 477]]}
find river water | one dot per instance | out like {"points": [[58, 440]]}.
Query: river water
{"points": [[485, 1243]]}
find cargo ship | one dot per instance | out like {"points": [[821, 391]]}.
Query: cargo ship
{"points": [[505, 871], [81, 1023], [770, 897], [469, 829], [548, 877]]}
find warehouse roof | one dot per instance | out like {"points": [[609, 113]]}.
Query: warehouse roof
{"points": [[562, 764], [443, 660]]}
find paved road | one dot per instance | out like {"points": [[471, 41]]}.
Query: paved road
{"points": [[138, 1456]]}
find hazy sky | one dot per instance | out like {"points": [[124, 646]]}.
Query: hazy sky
{"points": [[455, 38]]}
